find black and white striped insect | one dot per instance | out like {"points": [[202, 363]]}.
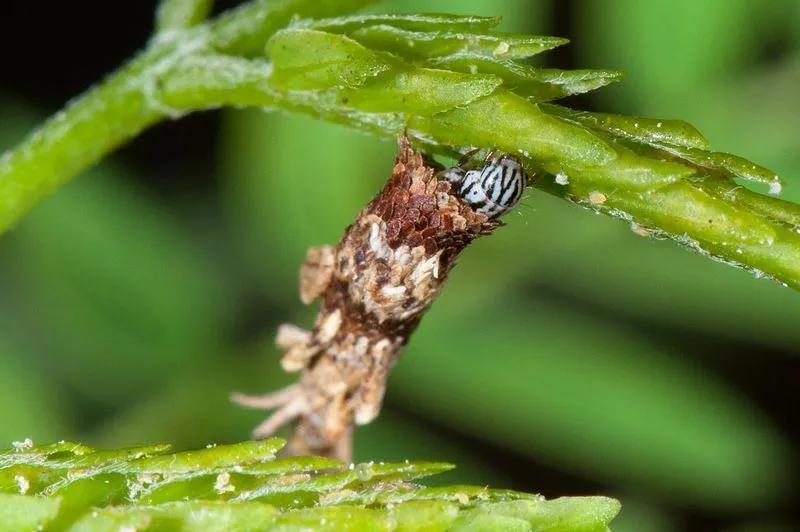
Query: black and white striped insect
{"points": [[494, 188]]}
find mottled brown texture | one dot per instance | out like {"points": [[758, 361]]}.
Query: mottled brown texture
{"points": [[374, 286]]}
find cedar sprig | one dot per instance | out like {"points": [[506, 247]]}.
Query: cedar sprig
{"points": [[455, 83], [244, 487]]}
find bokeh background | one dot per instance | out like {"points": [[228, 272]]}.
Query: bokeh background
{"points": [[566, 356]]}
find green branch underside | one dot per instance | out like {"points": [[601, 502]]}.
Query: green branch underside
{"points": [[243, 487], [453, 83]]}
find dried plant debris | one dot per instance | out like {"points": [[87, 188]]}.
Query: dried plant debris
{"points": [[374, 286], [244, 487]]}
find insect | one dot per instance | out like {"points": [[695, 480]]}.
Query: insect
{"points": [[494, 188]]}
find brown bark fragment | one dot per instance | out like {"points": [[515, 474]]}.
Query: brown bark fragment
{"points": [[315, 273]]}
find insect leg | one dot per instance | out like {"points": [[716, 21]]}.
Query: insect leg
{"points": [[467, 156], [285, 414], [267, 401]]}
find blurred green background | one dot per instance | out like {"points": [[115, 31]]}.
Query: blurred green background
{"points": [[566, 356]]}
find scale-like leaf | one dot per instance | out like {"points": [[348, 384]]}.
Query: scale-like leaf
{"points": [[421, 44], [645, 130], [412, 22], [538, 84], [310, 59]]}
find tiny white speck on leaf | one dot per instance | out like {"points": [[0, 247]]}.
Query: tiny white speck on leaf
{"points": [[23, 484], [223, 483], [27, 443], [597, 198], [639, 230], [562, 179], [775, 187], [501, 49]]}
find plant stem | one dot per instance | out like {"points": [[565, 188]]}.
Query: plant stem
{"points": [[606, 163]]}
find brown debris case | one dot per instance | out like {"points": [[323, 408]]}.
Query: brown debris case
{"points": [[374, 286]]}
